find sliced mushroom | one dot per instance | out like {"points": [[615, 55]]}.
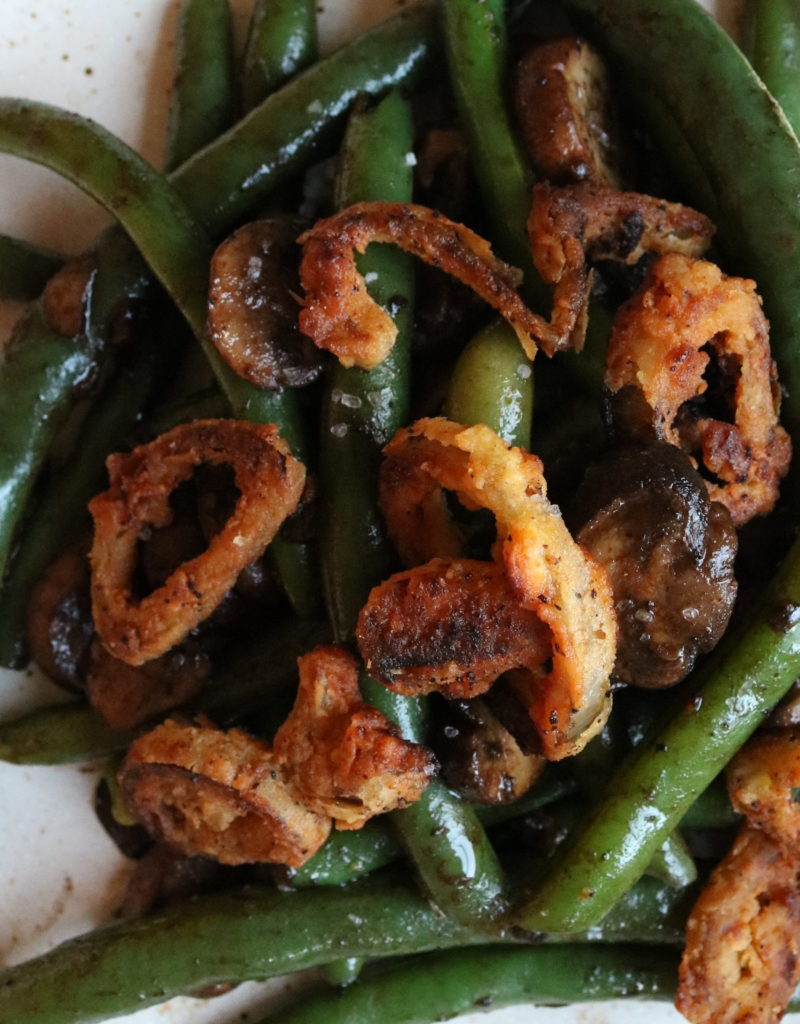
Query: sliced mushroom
{"points": [[567, 115], [253, 309], [480, 758], [645, 515]]}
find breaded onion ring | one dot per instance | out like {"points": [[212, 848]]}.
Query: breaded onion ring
{"points": [[449, 626], [547, 571], [742, 958], [345, 757], [220, 794], [688, 314], [764, 781], [572, 226], [270, 482], [340, 316]]}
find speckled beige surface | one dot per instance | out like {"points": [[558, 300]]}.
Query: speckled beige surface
{"points": [[59, 874]]}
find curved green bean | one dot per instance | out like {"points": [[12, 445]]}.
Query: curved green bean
{"points": [[258, 933], [773, 45], [203, 95], [439, 986], [282, 40], [25, 268]]}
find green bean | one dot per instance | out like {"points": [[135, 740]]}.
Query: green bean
{"points": [[773, 37], [363, 409], [25, 268], [282, 40], [259, 933], [475, 40], [241, 686], [712, 808], [659, 781], [347, 856], [61, 507], [59, 734], [492, 384], [439, 986], [203, 95]]}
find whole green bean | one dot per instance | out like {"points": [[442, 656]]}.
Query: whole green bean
{"points": [[25, 268], [260, 933], [281, 40], [659, 781], [439, 986], [475, 42], [773, 45], [492, 383], [362, 409], [241, 686], [343, 972], [203, 95]]}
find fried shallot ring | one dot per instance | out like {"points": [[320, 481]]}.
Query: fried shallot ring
{"points": [[572, 226], [548, 572], [270, 482], [450, 626], [345, 758], [220, 794], [339, 314], [764, 784], [687, 316], [742, 958]]}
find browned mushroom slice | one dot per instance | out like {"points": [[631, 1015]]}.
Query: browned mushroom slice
{"points": [[252, 313], [163, 877], [59, 620], [450, 627], [566, 113], [645, 515], [742, 958], [127, 695], [219, 794], [480, 758], [345, 757]]}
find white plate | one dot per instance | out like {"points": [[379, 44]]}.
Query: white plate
{"points": [[59, 873]]}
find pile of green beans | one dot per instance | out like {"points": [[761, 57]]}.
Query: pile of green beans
{"points": [[530, 927]]}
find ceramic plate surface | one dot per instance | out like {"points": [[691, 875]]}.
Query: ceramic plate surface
{"points": [[59, 873]]}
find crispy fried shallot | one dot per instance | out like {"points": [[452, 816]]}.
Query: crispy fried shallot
{"points": [[220, 794], [687, 321], [547, 571], [449, 626], [742, 957], [764, 784], [576, 225], [270, 482], [339, 314], [345, 757]]}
